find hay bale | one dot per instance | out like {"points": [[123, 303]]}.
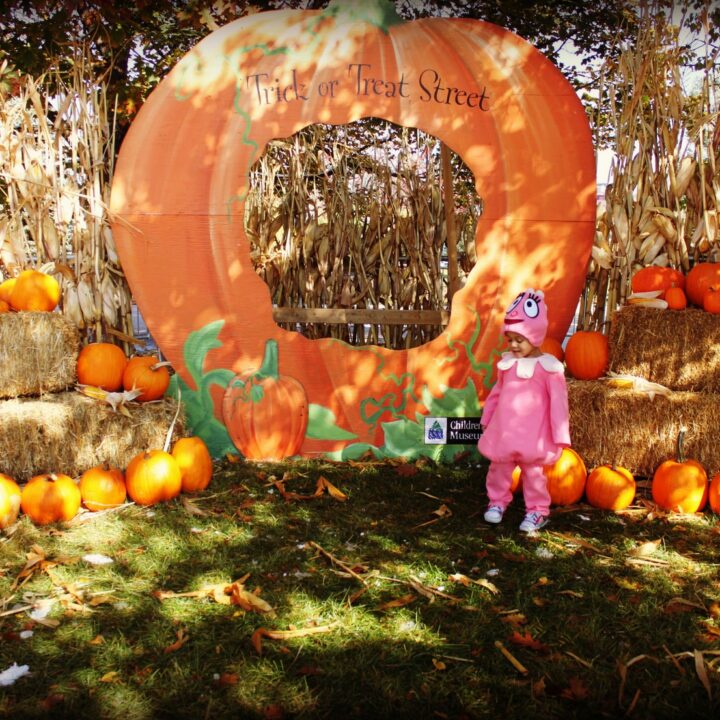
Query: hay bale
{"points": [[69, 432], [624, 427], [38, 353], [676, 348]]}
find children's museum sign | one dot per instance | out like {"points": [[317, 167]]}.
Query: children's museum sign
{"points": [[178, 201]]}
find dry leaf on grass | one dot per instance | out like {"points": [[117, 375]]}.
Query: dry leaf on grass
{"points": [[261, 632], [528, 641], [576, 690], [182, 637], [397, 602]]}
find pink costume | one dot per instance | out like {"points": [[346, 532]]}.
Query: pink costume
{"points": [[525, 418]]}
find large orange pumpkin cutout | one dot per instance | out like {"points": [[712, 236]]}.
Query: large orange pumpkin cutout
{"points": [[182, 176]]}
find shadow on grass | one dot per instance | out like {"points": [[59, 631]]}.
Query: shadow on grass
{"points": [[411, 635]]}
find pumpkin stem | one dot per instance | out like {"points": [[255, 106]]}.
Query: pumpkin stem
{"points": [[380, 13], [681, 437], [269, 367]]}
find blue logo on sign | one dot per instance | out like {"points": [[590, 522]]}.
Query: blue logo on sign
{"points": [[435, 432]]}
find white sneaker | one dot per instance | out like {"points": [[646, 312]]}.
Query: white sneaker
{"points": [[494, 514], [533, 521]]}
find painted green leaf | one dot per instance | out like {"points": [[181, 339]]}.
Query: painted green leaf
{"points": [[322, 425], [456, 402]]}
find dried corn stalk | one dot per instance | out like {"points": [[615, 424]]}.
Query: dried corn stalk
{"points": [[336, 225], [661, 205], [57, 149]]}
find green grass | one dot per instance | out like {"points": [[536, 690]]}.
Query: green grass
{"points": [[604, 623]]}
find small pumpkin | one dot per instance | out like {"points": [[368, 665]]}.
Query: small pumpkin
{"points": [[714, 494], [153, 476], [34, 290], [50, 498], [587, 354], [610, 487], [680, 485], [653, 278], [193, 459], [266, 413], [9, 501], [146, 373], [102, 365], [699, 279], [6, 287], [516, 483], [566, 478], [675, 298], [711, 300], [102, 487], [553, 347]]}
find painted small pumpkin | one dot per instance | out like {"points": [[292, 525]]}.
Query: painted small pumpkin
{"points": [[266, 413], [34, 290], [102, 487], [610, 487], [587, 354], [50, 498], [102, 364], [193, 459], [680, 485], [9, 501], [146, 373], [566, 478], [152, 477]]}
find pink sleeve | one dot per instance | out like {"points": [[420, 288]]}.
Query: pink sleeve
{"points": [[491, 401], [559, 412]]}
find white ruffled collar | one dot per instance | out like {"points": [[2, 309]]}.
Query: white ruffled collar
{"points": [[525, 367]]}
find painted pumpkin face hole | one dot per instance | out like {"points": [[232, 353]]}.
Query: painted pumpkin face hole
{"points": [[347, 227]]}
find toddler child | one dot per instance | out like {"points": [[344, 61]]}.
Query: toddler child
{"points": [[525, 418]]}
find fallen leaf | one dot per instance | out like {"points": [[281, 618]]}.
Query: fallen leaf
{"points": [[398, 602], [680, 605], [514, 619], [249, 601], [528, 641], [701, 671], [324, 483], [111, 677], [191, 508], [182, 638], [646, 548], [406, 470], [439, 664], [228, 679], [261, 632], [576, 690], [97, 640]]}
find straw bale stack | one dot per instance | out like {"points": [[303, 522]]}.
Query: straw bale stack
{"points": [[70, 433], [621, 426], [678, 349], [38, 353]]}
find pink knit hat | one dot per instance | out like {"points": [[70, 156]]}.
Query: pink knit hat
{"points": [[527, 316]]}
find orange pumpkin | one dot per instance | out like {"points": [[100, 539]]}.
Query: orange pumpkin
{"points": [[34, 290], [675, 298], [516, 483], [4, 307], [587, 355], [566, 478], [195, 463], [266, 413], [553, 347], [711, 300], [50, 498], [699, 279], [680, 485], [6, 287], [714, 494], [653, 278], [610, 487], [186, 162], [102, 487], [153, 476], [9, 501], [146, 373], [102, 364]]}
